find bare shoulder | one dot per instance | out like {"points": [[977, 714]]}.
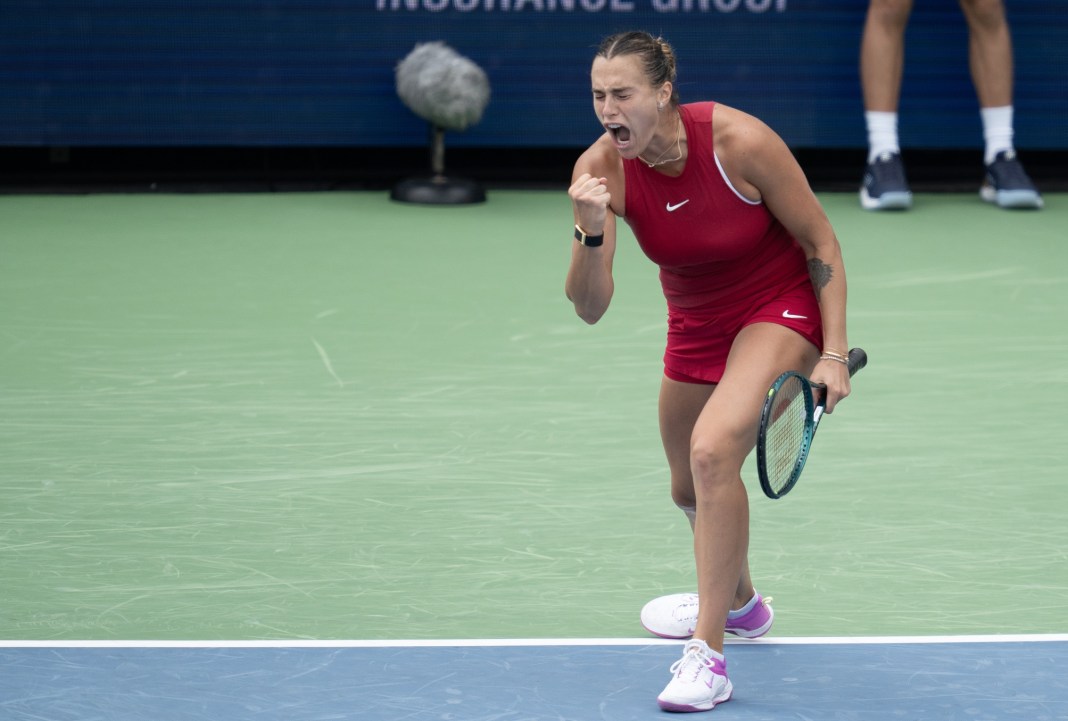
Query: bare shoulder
{"points": [[737, 131], [752, 154], [761, 167]]}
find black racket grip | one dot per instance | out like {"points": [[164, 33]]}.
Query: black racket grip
{"points": [[857, 360]]}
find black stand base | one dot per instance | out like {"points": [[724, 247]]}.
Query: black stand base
{"points": [[438, 190]]}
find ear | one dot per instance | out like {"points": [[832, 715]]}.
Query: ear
{"points": [[663, 96]]}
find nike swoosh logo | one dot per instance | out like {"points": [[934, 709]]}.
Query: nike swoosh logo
{"points": [[788, 314], [672, 208]]}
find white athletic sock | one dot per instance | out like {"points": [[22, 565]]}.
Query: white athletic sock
{"points": [[744, 609], [691, 514], [882, 133], [997, 131]]}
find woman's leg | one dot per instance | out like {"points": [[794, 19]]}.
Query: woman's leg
{"points": [[723, 435], [680, 406]]}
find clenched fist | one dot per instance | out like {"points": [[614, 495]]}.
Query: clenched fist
{"points": [[590, 197]]}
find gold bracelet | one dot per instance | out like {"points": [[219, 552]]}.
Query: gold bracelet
{"points": [[840, 359]]}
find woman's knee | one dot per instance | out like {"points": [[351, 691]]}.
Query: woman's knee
{"points": [[713, 464]]}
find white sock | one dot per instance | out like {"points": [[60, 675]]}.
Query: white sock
{"points": [[691, 514], [882, 133], [997, 131], [744, 609]]}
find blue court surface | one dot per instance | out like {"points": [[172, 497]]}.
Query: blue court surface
{"points": [[967, 678]]}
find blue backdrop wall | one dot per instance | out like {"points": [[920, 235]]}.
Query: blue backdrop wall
{"points": [[321, 72]]}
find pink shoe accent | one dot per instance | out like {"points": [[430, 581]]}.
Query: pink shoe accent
{"points": [[754, 624]]}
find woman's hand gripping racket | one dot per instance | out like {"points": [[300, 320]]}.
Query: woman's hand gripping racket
{"points": [[788, 422]]}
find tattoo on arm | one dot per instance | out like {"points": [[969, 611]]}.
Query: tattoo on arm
{"points": [[820, 273]]}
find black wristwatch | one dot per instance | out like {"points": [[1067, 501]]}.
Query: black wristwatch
{"points": [[590, 241]]}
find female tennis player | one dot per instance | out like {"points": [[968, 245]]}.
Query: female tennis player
{"points": [[755, 286]]}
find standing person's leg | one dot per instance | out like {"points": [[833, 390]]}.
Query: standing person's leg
{"points": [[991, 62], [882, 54], [681, 406], [989, 51], [882, 63], [675, 615], [722, 437]]}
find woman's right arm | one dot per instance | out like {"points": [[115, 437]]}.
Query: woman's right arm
{"points": [[589, 284]]}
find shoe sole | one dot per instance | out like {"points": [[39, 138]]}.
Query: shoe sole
{"points": [[660, 634], [890, 200], [687, 708], [739, 632], [1011, 198]]}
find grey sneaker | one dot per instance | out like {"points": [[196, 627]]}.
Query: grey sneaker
{"points": [[884, 186], [1007, 185]]}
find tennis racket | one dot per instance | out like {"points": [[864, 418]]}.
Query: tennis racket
{"points": [[788, 422]]}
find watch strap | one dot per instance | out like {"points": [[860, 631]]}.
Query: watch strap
{"points": [[584, 238]]}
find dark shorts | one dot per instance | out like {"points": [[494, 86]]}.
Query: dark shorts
{"points": [[698, 341]]}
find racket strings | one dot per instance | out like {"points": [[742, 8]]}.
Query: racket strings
{"points": [[786, 433]]}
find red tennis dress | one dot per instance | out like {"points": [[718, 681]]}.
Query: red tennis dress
{"points": [[725, 261]]}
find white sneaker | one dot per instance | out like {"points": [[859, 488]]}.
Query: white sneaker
{"points": [[700, 681], [672, 616], [675, 616]]}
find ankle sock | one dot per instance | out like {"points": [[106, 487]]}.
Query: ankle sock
{"points": [[997, 131], [882, 133], [691, 514]]}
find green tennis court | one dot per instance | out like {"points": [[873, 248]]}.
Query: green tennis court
{"points": [[331, 416]]}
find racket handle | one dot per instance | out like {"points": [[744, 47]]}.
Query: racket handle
{"points": [[857, 360]]}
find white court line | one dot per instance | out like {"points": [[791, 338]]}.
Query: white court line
{"points": [[502, 642]]}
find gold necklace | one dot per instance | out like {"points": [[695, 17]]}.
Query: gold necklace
{"points": [[677, 144]]}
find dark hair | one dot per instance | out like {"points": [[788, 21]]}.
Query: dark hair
{"points": [[657, 56]]}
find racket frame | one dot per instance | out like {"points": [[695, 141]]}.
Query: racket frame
{"points": [[813, 412], [814, 400]]}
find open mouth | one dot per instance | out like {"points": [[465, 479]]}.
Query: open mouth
{"points": [[620, 133]]}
